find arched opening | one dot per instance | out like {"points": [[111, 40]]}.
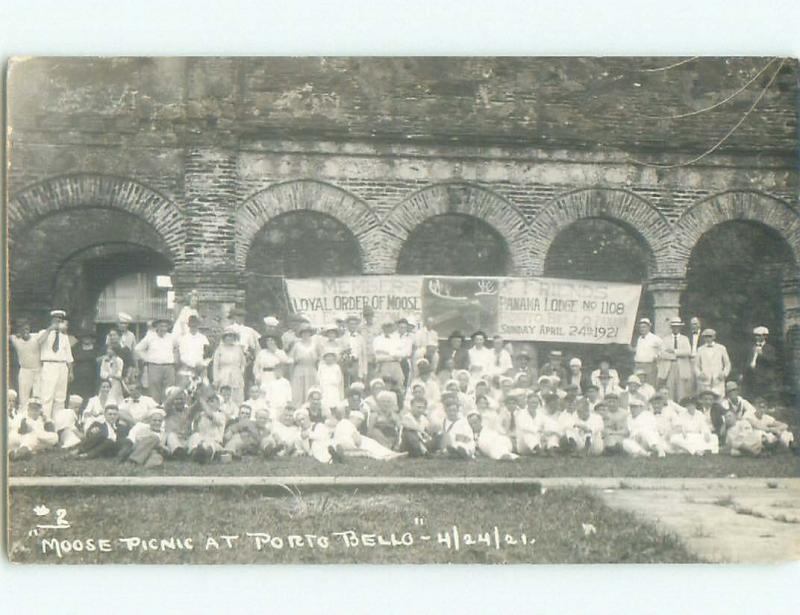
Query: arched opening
{"points": [[734, 282], [605, 250], [296, 244], [454, 244], [67, 258]]}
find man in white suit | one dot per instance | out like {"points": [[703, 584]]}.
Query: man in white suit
{"points": [[713, 364], [675, 362]]}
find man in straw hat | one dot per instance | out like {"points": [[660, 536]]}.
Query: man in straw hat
{"points": [[675, 362], [646, 351]]}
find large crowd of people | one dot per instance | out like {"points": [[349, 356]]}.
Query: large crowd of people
{"points": [[383, 390]]}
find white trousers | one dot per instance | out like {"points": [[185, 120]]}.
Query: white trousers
{"points": [[53, 387], [28, 382]]}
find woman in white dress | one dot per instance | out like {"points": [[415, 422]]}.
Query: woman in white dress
{"points": [[229, 364], [330, 378], [267, 360], [96, 406]]}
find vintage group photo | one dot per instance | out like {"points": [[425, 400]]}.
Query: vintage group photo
{"points": [[403, 310]]}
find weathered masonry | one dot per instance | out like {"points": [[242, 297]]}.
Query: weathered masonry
{"points": [[224, 172]]}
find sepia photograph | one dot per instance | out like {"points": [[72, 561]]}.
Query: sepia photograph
{"points": [[402, 310]]}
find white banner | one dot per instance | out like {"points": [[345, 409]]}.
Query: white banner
{"points": [[558, 310], [391, 296]]}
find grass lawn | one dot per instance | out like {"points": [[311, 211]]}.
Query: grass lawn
{"points": [[551, 522], [59, 463]]}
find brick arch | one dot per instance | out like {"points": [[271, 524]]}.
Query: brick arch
{"points": [[611, 204], [742, 205], [84, 190], [456, 198], [308, 195]]}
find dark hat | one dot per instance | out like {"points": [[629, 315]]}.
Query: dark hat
{"points": [[158, 321], [457, 334], [478, 332]]}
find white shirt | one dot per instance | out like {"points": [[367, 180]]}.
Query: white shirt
{"points": [[481, 360], [501, 363], [156, 349], [248, 337], [28, 352], [277, 393], [388, 349], [192, 348], [648, 347], [141, 430], [64, 352], [139, 408], [644, 422]]}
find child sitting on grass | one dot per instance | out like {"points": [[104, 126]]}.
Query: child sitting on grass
{"points": [[30, 432]]}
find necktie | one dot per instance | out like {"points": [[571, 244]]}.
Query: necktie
{"points": [[56, 342], [675, 342]]}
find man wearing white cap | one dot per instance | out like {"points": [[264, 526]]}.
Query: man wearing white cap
{"points": [[126, 337], [646, 351], [713, 364], [55, 353], [158, 348], [760, 377], [576, 376], [675, 362], [26, 347], [30, 431]]}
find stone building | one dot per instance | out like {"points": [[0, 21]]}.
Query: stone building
{"points": [[225, 172]]}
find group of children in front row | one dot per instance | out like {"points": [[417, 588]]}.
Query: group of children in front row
{"points": [[464, 420]]}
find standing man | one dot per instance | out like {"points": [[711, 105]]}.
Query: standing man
{"points": [[56, 357], [405, 329], [248, 340], [30, 364], [369, 330], [675, 369], [356, 357], [713, 364], [126, 336], [389, 352], [193, 348], [456, 351], [85, 365], [760, 375], [157, 348], [646, 351]]}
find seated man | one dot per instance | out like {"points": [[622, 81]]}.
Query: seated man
{"points": [[643, 438], [30, 431], [494, 440], [693, 433], [667, 419], [241, 435], [103, 435], [615, 424], [457, 438], [135, 408], [415, 438], [286, 432], [776, 433], [548, 424], [741, 438], [708, 405], [145, 443], [588, 427], [348, 442], [528, 437], [208, 426]]}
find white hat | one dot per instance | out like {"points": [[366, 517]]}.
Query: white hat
{"points": [[271, 321], [708, 333], [300, 413], [340, 317], [59, 313], [761, 330], [35, 401], [636, 401], [575, 361], [75, 399], [634, 380], [330, 327], [12, 394], [125, 317], [676, 322], [358, 386], [157, 411], [412, 322], [645, 321]]}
